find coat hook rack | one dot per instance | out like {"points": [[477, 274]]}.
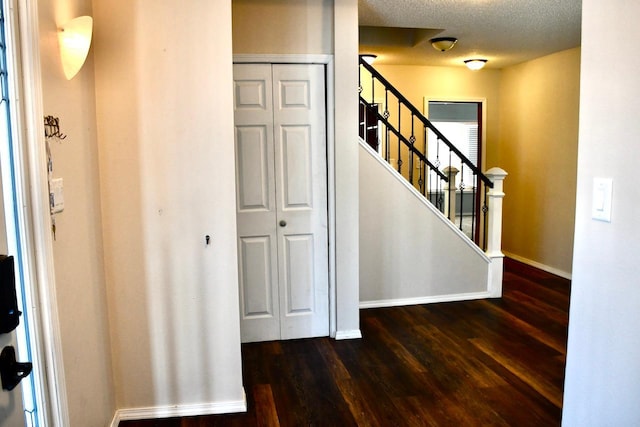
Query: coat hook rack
{"points": [[52, 128]]}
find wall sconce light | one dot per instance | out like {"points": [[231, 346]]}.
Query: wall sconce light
{"points": [[368, 58], [74, 39], [443, 44], [475, 64]]}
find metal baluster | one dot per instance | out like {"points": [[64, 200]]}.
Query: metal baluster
{"points": [[412, 140], [439, 195], [433, 183], [450, 184], [424, 139], [425, 183], [461, 194], [437, 165], [400, 133], [430, 182], [373, 88], [474, 206], [387, 153], [485, 210]]}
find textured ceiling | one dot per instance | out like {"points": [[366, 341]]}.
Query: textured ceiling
{"points": [[506, 32]]}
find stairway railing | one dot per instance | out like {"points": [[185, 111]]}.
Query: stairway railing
{"points": [[399, 132]]}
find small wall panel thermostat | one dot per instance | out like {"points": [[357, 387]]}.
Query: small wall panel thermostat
{"points": [[56, 195]]}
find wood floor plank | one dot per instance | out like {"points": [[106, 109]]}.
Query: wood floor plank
{"points": [[507, 402], [266, 413], [313, 384], [557, 343], [398, 349], [358, 405], [497, 362], [331, 358], [459, 364], [529, 376], [549, 292], [525, 314], [419, 411], [536, 306]]}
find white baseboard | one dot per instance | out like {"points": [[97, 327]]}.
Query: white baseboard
{"points": [[348, 335], [424, 300], [543, 267], [154, 412]]}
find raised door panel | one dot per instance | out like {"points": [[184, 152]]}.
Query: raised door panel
{"points": [[298, 278], [252, 93], [296, 183], [295, 92], [256, 277], [258, 289], [252, 168]]}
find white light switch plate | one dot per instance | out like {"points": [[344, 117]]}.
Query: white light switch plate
{"points": [[602, 199]]}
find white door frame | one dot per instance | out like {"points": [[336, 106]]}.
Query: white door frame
{"points": [[326, 60], [33, 199]]}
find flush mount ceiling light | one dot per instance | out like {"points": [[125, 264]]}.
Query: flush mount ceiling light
{"points": [[475, 64], [369, 58], [443, 44], [75, 39]]}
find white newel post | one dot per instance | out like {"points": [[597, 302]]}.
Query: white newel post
{"points": [[494, 231], [450, 192]]}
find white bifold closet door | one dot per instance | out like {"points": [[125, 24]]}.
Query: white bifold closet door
{"points": [[281, 177]]}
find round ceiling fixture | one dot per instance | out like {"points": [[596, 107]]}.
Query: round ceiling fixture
{"points": [[443, 44], [475, 64]]}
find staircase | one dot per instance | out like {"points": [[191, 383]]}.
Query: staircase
{"points": [[450, 223]]}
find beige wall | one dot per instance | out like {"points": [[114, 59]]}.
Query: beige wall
{"points": [[452, 83], [78, 254], [283, 26], [539, 149], [164, 107]]}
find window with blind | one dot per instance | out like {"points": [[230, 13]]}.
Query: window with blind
{"points": [[465, 137], [458, 121]]}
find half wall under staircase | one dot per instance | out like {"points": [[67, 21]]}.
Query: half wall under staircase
{"points": [[413, 247]]}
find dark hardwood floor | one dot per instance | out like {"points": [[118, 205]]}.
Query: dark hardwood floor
{"points": [[496, 362]]}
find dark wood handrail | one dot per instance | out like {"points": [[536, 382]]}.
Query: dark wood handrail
{"points": [[388, 86]]}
